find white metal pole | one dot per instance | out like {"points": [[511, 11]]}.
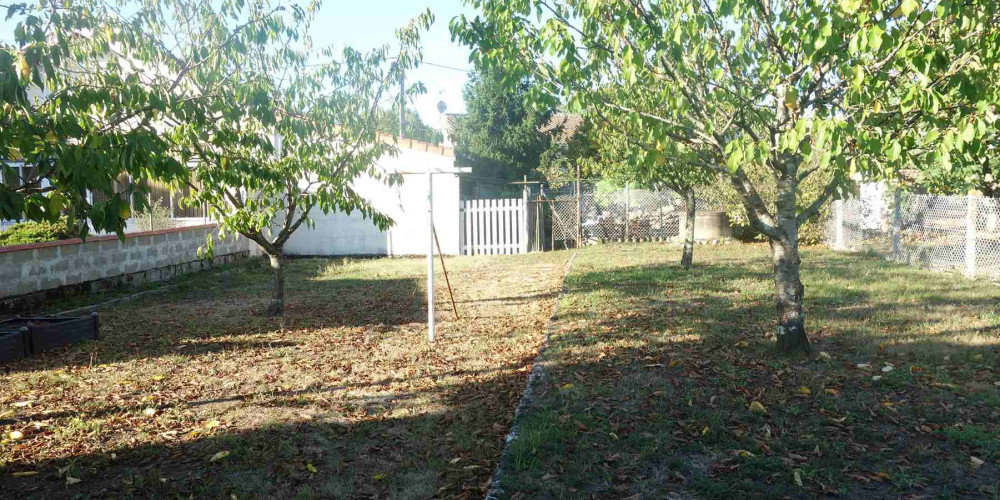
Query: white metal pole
{"points": [[430, 256]]}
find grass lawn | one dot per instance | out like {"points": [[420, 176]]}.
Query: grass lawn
{"points": [[652, 373], [193, 392]]}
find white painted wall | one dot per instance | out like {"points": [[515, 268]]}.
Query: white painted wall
{"points": [[406, 204]]}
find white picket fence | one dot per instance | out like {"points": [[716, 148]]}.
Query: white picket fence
{"points": [[495, 227]]}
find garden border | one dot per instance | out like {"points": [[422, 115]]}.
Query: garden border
{"points": [[537, 372]]}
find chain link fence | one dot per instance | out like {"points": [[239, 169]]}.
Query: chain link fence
{"points": [[935, 232], [612, 214]]}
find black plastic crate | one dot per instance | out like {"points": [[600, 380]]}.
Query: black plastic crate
{"points": [[13, 345], [42, 334]]}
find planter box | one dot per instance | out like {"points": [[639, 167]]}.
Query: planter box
{"points": [[42, 334], [13, 345]]}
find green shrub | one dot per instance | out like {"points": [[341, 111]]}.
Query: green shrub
{"points": [[36, 232]]}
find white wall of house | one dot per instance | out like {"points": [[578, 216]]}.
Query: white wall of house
{"points": [[406, 204]]}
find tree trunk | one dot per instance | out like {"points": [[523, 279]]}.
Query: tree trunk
{"points": [[688, 256], [277, 305], [791, 331], [788, 298]]}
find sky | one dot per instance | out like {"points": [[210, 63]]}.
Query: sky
{"points": [[366, 24]]}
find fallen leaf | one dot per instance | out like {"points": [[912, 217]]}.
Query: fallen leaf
{"points": [[976, 462], [380, 477], [211, 424], [756, 407], [567, 387], [833, 392], [705, 431], [70, 480], [824, 356], [25, 473], [157, 378], [311, 468], [455, 460], [797, 475], [876, 378], [219, 456], [978, 357], [888, 368], [16, 435], [805, 391]]}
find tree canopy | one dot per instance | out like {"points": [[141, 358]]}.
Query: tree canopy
{"points": [[415, 128], [228, 100], [500, 135], [79, 115], [868, 87]]}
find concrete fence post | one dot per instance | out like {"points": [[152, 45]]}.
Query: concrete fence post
{"points": [[628, 203], [897, 223], [838, 231], [970, 236]]}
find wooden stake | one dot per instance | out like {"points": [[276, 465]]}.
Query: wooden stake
{"points": [[445, 270]]}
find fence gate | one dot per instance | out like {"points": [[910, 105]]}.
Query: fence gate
{"points": [[494, 227]]}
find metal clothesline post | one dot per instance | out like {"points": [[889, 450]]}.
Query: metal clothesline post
{"points": [[431, 240], [430, 256]]}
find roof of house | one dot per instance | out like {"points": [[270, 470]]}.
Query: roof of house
{"points": [[417, 145], [563, 126]]}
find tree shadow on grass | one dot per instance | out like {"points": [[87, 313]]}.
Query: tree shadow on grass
{"points": [[223, 312], [848, 298], [305, 445], [651, 371]]}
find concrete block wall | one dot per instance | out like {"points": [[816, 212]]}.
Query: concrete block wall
{"points": [[106, 261]]}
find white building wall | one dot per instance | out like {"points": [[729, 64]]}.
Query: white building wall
{"points": [[406, 204]]}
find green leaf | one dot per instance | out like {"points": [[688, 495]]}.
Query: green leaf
{"points": [[908, 6], [875, 37], [850, 6], [859, 76], [895, 151]]}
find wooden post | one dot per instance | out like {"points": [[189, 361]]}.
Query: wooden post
{"points": [[444, 270], [524, 216]]}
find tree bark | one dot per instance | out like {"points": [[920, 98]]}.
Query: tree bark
{"points": [[277, 305], [791, 331], [688, 256]]}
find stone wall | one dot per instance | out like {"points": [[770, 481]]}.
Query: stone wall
{"points": [[32, 273]]}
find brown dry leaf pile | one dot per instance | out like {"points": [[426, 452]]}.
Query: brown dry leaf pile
{"points": [[193, 392]]}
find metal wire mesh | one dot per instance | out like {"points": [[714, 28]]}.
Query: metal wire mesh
{"points": [[616, 214], [935, 232]]}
